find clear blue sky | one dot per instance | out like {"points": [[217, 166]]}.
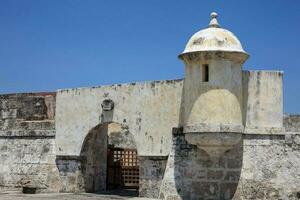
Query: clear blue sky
{"points": [[47, 45]]}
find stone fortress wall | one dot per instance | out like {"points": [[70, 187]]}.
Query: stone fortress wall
{"points": [[38, 151], [148, 110], [27, 142], [151, 109], [260, 167]]}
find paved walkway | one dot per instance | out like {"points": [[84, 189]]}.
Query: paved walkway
{"points": [[64, 196]]}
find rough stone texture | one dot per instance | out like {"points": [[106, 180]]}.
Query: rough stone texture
{"points": [[271, 167], [88, 172], [149, 111], [71, 173], [291, 123], [152, 169], [27, 145], [27, 132], [28, 162], [192, 174], [261, 167], [28, 107], [119, 136], [111, 195]]}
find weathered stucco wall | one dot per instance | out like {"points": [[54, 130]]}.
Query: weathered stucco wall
{"points": [[27, 148], [263, 101], [142, 117], [88, 171], [149, 110], [120, 137], [216, 102]]}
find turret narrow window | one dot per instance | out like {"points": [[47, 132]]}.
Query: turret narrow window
{"points": [[205, 73]]}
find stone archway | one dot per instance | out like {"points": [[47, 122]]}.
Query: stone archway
{"points": [[95, 150]]}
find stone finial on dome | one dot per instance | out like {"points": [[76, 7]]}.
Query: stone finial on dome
{"points": [[214, 22], [214, 39]]}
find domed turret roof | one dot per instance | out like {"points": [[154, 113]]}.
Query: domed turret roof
{"points": [[213, 38]]}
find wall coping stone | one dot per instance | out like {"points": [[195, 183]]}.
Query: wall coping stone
{"points": [[203, 127], [27, 133], [264, 130], [254, 130]]}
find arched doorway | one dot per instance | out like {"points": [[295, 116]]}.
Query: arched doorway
{"points": [[122, 160], [110, 155]]}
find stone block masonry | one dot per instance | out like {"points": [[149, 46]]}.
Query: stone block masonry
{"points": [[292, 123], [71, 173], [260, 167], [27, 145], [191, 174], [152, 169]]}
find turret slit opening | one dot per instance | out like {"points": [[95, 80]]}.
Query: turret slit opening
{"points": [[205, 73]]}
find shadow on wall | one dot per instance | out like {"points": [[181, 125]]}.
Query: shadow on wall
{"points": [[94, 151], [94, 154], [197, 176], [209, 103], [192, 174]]}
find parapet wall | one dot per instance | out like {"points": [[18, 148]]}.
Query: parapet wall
{"points": [[27, 146], [152, 109], [263, 102], [148, 109]]}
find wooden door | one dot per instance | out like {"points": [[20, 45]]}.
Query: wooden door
{"points": [[122, 168]]}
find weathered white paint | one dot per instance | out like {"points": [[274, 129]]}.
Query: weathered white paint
{"points": [[152, 109], [149, 110], [213, 38], [216, 102], [263, 102]]}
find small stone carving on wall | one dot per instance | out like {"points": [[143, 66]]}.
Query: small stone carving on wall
{"points": [[107, 105]]}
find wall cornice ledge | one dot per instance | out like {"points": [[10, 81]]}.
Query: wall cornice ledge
{"points": [[26, 133], [259, 130], [215, 128]]}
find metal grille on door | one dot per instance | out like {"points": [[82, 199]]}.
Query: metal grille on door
{"points": [[123, 168]]}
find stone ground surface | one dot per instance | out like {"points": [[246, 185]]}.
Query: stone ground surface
{"points": [[67, 196]]}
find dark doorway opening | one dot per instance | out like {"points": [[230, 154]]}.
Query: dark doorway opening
{"points": [[122, 169]]}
